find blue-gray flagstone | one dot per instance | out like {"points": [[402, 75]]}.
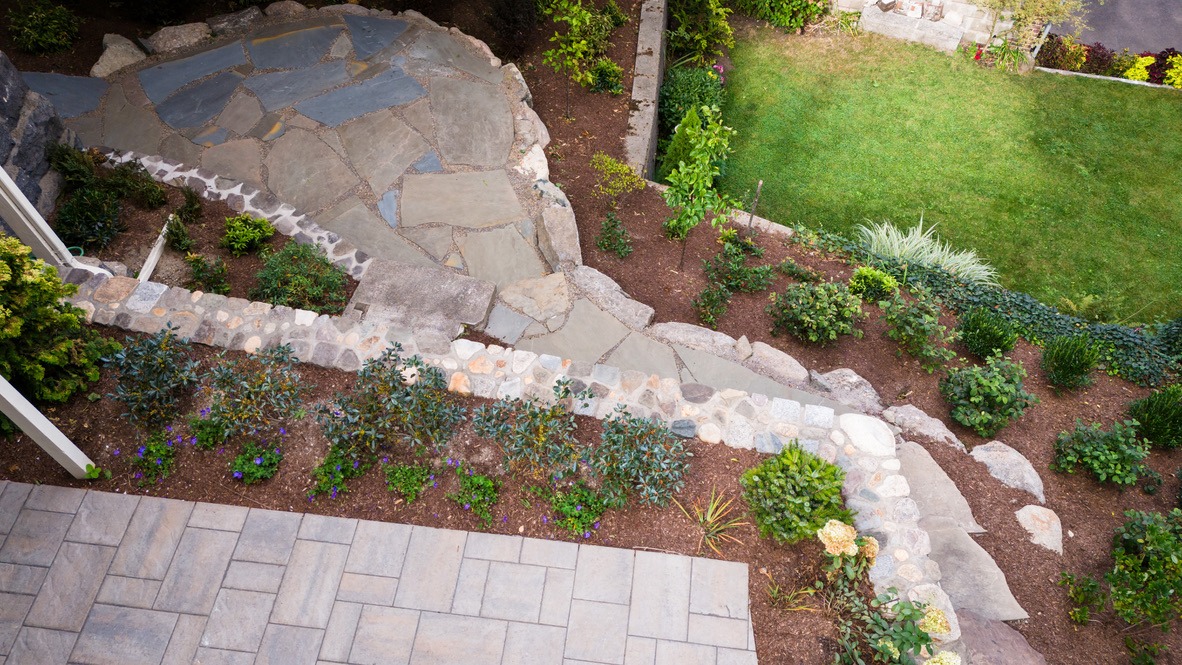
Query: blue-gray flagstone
{"points": [[298, 48], [388, 206], [70, 95], [211, 136], [390, 88], [277, 90], [162, 80], [371, 35], [197, 105], [428, 163]]}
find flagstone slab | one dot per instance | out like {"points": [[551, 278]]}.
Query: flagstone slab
{"points": [[293, 46], [389, 88], [354, 220], [310, 584], [437, 240], [197, 105], [370, 34], [102, 518], [381, 147], [238, 159], [384, 634], [473, 124], [277, 90], [70, 95], [442, 48], [163, 79], [305, 172], [129, 127], [428, 163], [644, 355], [485, 255], [588, 334], [471, 200]]}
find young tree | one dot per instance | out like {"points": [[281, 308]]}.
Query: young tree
{"points": [[571, 50], [691, 184]]}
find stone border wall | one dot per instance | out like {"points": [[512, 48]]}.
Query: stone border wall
{"points": [[640, 142]]}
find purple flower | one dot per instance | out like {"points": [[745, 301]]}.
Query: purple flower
{"points": [[258, 461], [356, 463], [159, 461], [596, 525], [469, 472], [334, 492], [310, 497], [338, 467], [467, 506], [116, 452], [282, 432], [545, 520], [138, 474], [193, 441], [586, 534], [168, 428], [141, 450], [221, 450], [385, 460], [435, 484], [579, 508], [237, 474], [505, 519], [431, 477], [276, 451], [449, 461]]}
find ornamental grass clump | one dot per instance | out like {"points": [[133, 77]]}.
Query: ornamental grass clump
{"points": [[986, 399], [1160, 417], [1068, 361], [921, 246], [794, 494]]}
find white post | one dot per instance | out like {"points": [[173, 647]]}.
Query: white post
{"points": [[32, 229], [44, 433]]}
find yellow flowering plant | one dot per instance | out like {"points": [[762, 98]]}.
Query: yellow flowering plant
{"points": [[1140, 69]]}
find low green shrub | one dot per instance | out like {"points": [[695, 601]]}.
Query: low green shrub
{"points": [[679, 149], [77, 168], [872, 284], [131, 181], [612, 12], [614, 179], [246, 234], [794, 494], [257, 462], [638, 456], [257, 393], [205, 275], [153, 374], [986, 334], [207, 433], [176, 234], [699, 30], [607, 76], [1169, 336], [477, 493], [613, 237], [409, 480], [791, 14], [39, 26], [89, 218], [153, 460], [986, 399], [802, 274], [1115, 456], [334, 472], [729, 270], [711, 304], [1069, 361], [190, 210], [687, 88], [816, 313], [301, 277], [915, 325], [536, 440], [577, 508], [1160, 417]]}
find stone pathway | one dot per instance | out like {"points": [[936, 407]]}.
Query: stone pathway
{"points": [[100, 578]]}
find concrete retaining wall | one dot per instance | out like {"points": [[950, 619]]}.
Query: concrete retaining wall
{"points": [[640, 143]]}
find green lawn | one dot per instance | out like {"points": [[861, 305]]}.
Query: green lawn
{"points": [[1067, 185]]}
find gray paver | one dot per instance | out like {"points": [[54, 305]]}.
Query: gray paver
{"points": [[278, 90], [41, 646], [352, 219], [299, 157], [218, 517], [102, 518], [195, 106], [55, 499], [207, 656], [428, 163], [70, 587], [328, 529], [35, 537], [736, 657], [437, 240], [186, 636], [527, 644], [719, 588], [390, 88], [238, 620], [268, 536], [384, 634], [494, 547], [470, 200], [378, 548], [485, 252], [289, 645], [367, 589], [123, 636], [640, 651], [128, 592], [473, 123], [165, 78], [660, 596], [680, 653], [643, 355], [70, 95], [470, 587], [196, 573], [556, 599], [292, 47], [13, 608], [447, 638], [604, 574], [597, 632], [513, 591], [11, 500], [15, 578], [310, 584], [381, 147], [151, 538], [718, 631], [338, 637], [371, 35], [251, 576], [429, 576]]}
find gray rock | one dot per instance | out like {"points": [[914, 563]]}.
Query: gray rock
{"points": [[70, 95], [354, 220], [849, 388], [695, 337], [696, 393], [505, 324], [1043, 525], [684, 428], [423, 297], [118, 52], [370, 35], [640, 353], [932, 489], [299, 157], [470, 200], [198, 104], [558, 238], [160, 81], [969, 575], [392, 87], [235, 23], [437, 240], [277, 90], [175, 37], [991, 642], [130, 127], [1010, 467], [473, 125], [440, 48], [292, 45], [606, 294], [241, 114], [500, 256], [238, 159], [588, 334], [12, 90], [344, 9], [284, 8], [775, 364], [540, 298], [917, 424]]}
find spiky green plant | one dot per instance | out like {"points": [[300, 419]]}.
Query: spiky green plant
{"points": [[918, 245]]}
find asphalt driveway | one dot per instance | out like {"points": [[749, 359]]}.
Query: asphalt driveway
{"points": [[1138, 25]]}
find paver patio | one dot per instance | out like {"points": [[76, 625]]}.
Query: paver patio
{"points": [[98, 578]]}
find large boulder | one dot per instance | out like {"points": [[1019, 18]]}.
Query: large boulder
{"points": [[1010, 467], [235, 23], [1043, 525], [776, 365], [968, 574], [118, 52], [173, 37], [916, 424], [849, 388]]}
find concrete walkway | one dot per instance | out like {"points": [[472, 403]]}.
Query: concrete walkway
{"points": [[101, 578]]}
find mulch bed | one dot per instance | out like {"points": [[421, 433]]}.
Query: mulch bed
{"points": [[1088, 510]]}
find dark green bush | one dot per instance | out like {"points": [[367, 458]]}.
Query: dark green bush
{"points": [[190, 210], [791, 14], [687, 88], [699, 30], [536, 440], [176, 234], [255, 394], [607, 76], [257, 462], [246, 234], [638, 455], [1170, 337], [206, 275], [802, 274], [1115, 456], [613, 237], [153, 374], [915, 325], [729, 270], [1069, 361], [816, 313], [612, 12], [794, 494], [130, 181], [711, 304], [986, 399], [39, 26], [77, 168], [89, 218], [872, 284], [577, 508], [985, 333], [1160, 417], [301, 276], [678, 150]]}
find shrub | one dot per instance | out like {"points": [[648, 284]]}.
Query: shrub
{"points": [[816, 313], [614, 15], [477, 493], [176, 234], [614, 179], [408, 480], [256, 393], [577, 508], [1160, 65], [986, 334], [729, 270], [572, 48], [1068, 361], [791, 14], [638, 455], [872, 284], [596, 32], [920, 246], [794, 494], [700, 30], [45, 352], [915, 325], [246, 234], [1160, 417], [129, 180], [1169, 337], [986, 399], [1173, 75], [39, 26], [687, 88], [206, 275], [1114, 456], [190, 210], [537, 440], [78, 169], [207, 433], [607, 76], [153, 372], [256, 462], [678, 151], [1099, 60], [1061, 52], [153, 460], [336, 470], [1139, 71], [802, 274], [89, 218], [711, 304], [613, 237], [301, 277]]}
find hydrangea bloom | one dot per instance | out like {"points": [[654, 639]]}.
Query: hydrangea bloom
{"points": [[838, 538], [934, 621], [945, 658]]}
